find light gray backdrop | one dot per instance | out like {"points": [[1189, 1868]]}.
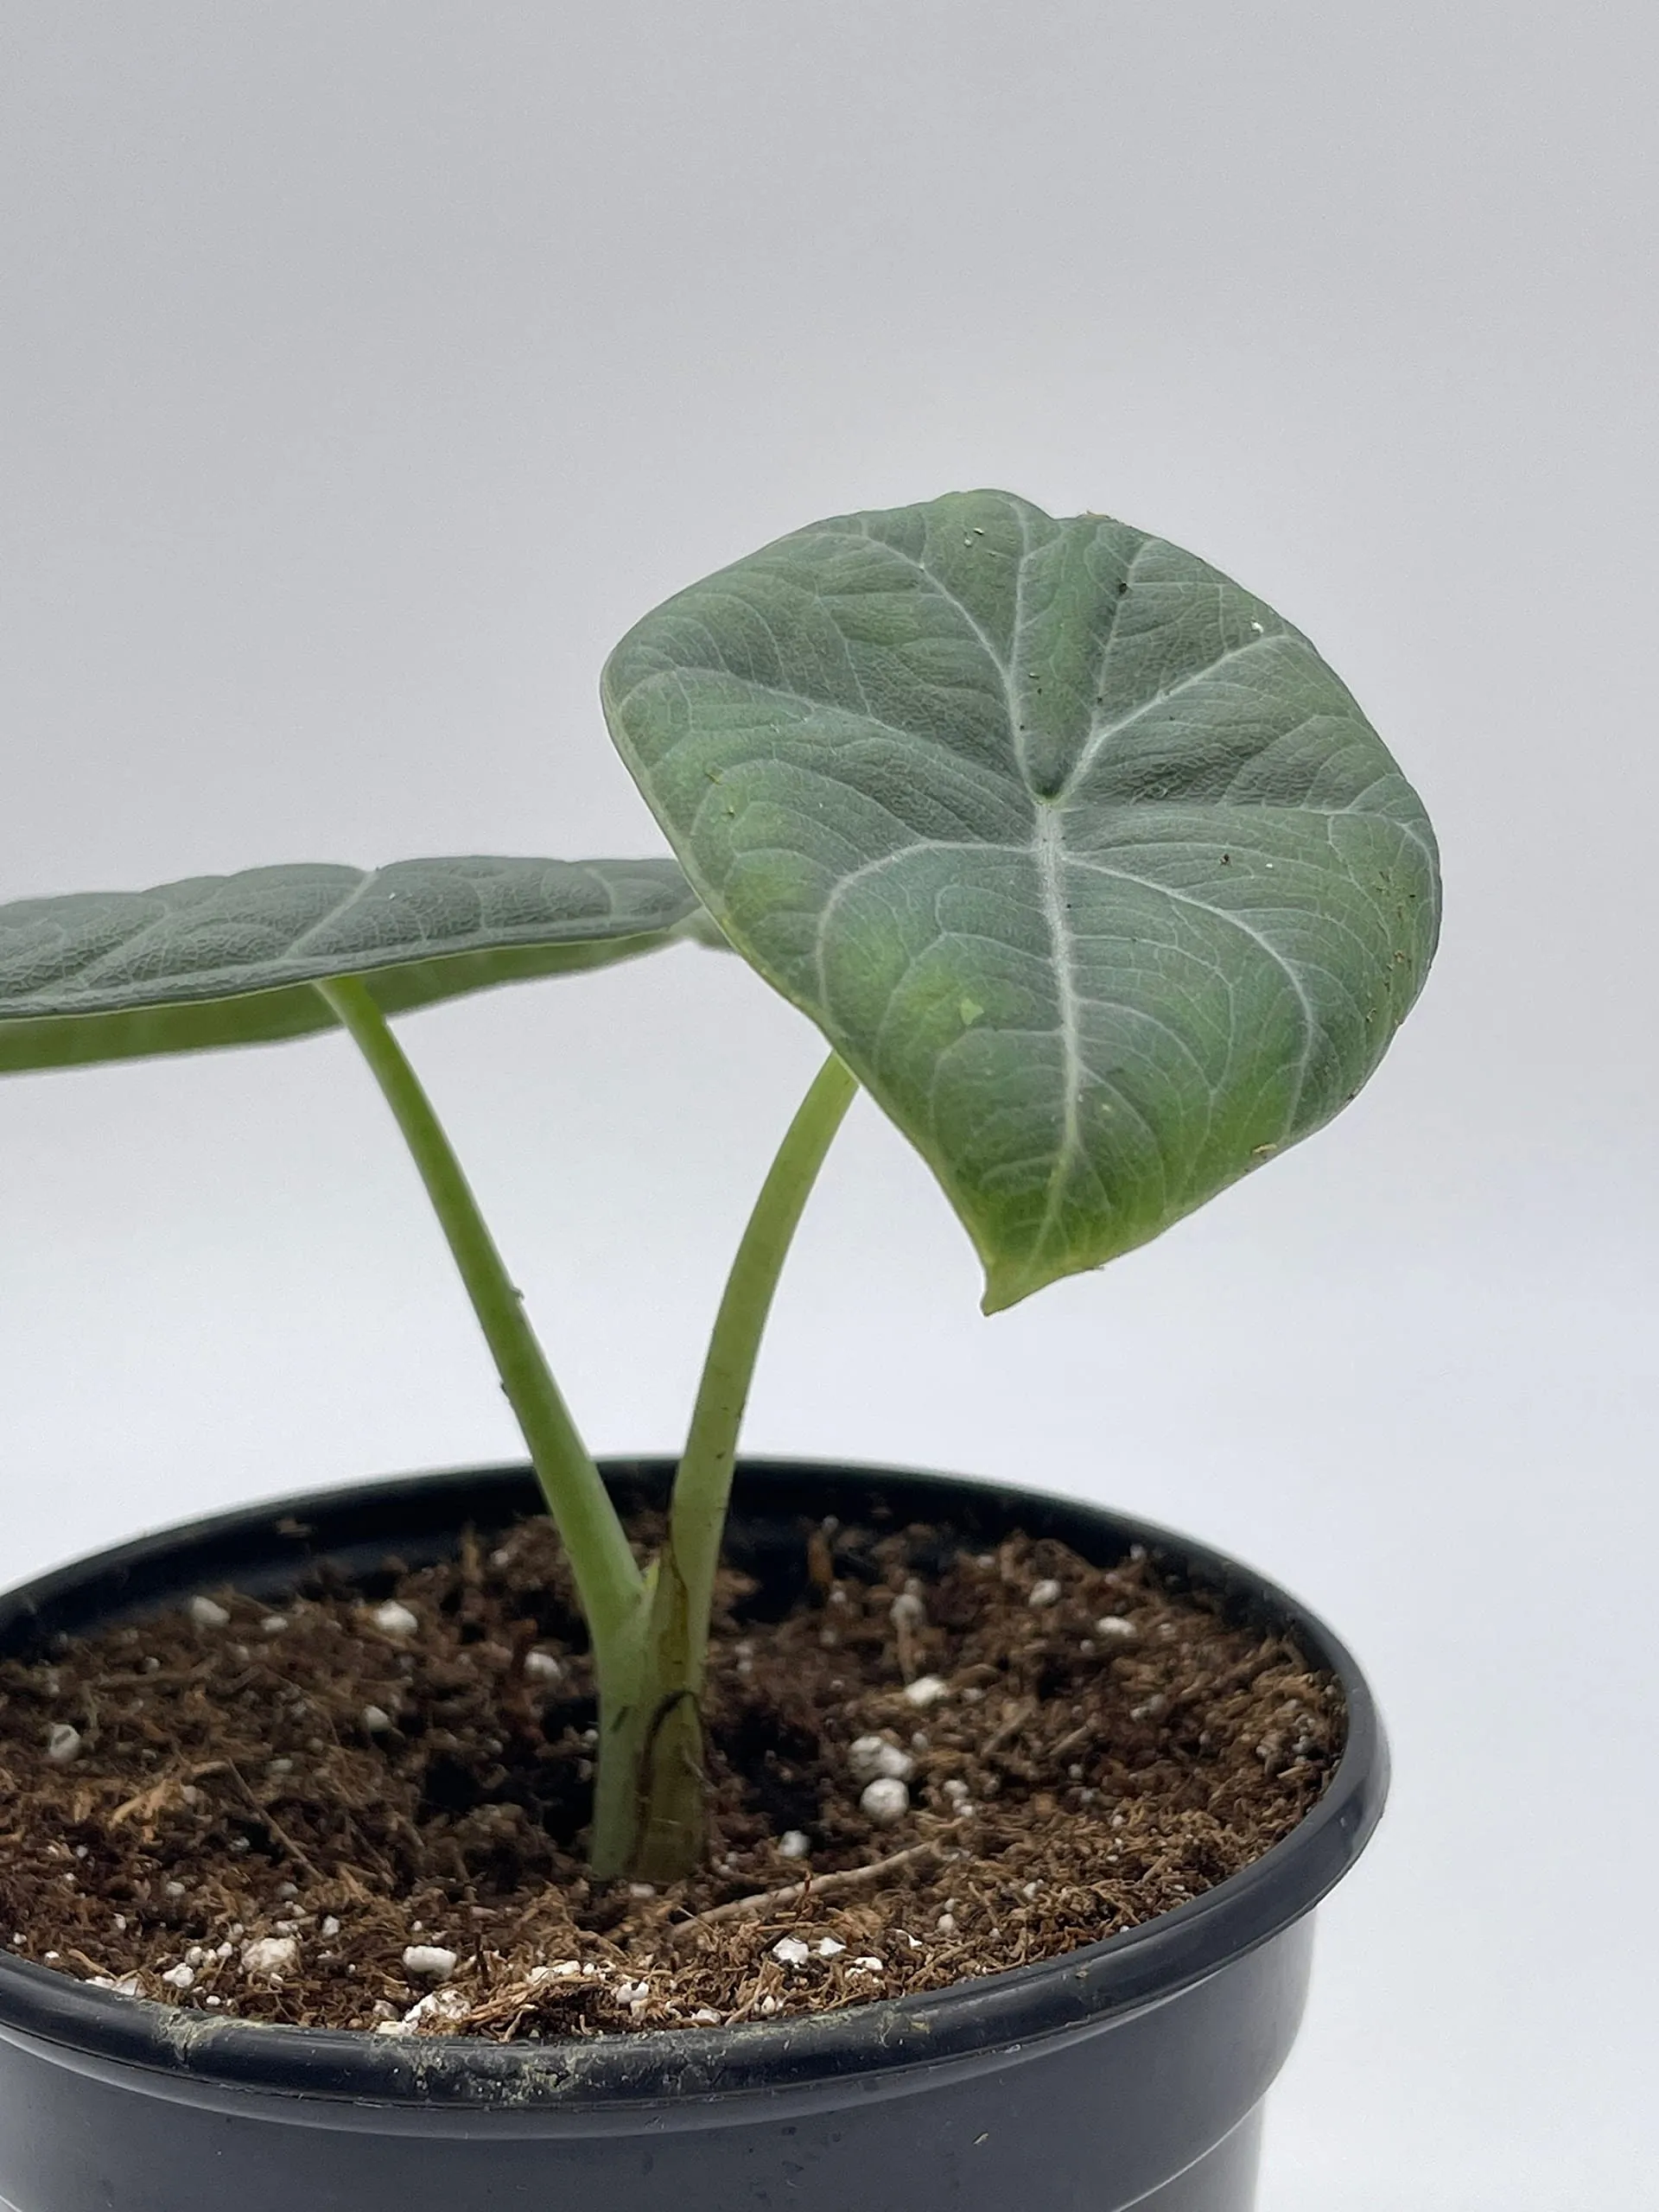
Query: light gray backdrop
{"points": [[369, 368]]}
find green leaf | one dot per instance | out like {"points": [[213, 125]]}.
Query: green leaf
{"points": [[1077, 853], [231, 959]]}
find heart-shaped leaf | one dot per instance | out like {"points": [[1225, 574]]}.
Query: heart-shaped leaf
{"points": [[232, 959], [1077, 853]]}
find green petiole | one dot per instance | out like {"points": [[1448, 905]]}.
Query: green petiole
{"points": [[703, 1485], [650, 1631], [609, 1582], [662, 1741]]}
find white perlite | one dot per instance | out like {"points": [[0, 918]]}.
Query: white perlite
{"points": [[377, 1719], [451, 2005], [1112, 1628], [873, 1758], [1045, 1592], [207, 1613], [393, 1619], [270, 1954], [181, 1977], [885, 1800], [789, 1951], [925, 1691], [430, 1962], [542, 1667], [63, 1744], [794, 1843]]}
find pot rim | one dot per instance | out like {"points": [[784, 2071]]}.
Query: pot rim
{"points": [[1076, 1993]]}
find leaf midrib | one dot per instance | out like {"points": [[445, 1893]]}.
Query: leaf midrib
{"points": [[1048, 847], [1051, 854], [73, 991]]}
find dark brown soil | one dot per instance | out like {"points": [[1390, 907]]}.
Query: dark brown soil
{"points": [[261, 1811]]}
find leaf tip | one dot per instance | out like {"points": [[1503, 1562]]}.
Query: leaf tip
{"points": [[1006, 1286], [1010, 1280]]}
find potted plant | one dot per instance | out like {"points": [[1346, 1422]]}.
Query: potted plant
{"points": [[1095, 877]]}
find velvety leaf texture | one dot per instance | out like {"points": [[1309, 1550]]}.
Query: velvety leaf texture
{"points": [[232, 959], [1077, 853]]}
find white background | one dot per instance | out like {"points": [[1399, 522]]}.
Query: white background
{"points": [[368, 370]]}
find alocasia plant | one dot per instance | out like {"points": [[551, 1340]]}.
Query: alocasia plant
{"points": [[1088, 868]]}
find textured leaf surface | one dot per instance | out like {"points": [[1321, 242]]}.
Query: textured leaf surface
{"points": [[231, 960], [1078, 853]]}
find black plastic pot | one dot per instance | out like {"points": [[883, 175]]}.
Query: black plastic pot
{"points": [[1129, 2073]]}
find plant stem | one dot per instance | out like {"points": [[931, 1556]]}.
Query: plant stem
{"points": [[654, 1831], [609, 1583], [704, 1482]]}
